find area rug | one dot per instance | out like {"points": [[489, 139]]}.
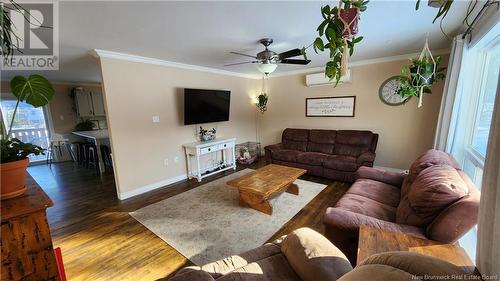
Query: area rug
{"points": [[207, 223]]}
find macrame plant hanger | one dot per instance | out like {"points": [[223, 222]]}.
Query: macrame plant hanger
{"points": [[427, 55], [347, 28], [262, 107]]}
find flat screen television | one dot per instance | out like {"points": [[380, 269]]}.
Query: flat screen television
{"points": [[206, 106]]}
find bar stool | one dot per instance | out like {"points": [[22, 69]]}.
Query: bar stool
{"points": [[91, 156], [106, 156], [79, 148], [56, 142]]}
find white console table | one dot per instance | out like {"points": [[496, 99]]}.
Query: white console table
{"points": [[195, 150]]}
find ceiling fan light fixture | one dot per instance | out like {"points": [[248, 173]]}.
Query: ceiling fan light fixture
{"points": [[267, 68]]}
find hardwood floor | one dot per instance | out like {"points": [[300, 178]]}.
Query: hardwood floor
{"points": [[100, 241]]}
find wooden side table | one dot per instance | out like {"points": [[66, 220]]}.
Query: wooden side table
{"points": [[375, 240], [27, 252]]}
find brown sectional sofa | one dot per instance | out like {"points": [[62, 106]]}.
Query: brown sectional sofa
{"points": [[332, 154], [436, 201], [308, 256]]}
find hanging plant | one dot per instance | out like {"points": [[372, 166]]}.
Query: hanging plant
{"points": [[262, 102], [420, 75], [337, 34]]}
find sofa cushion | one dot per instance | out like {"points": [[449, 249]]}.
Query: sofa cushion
{"points": [[352, 143], [287, 155], [313, 257], [321, 141], [434, 189], [341, 163], [366, 206], [381, 192], [320, 147], [429, 158], [311, 158], [295, 139]]}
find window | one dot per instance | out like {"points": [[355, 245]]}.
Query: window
{"points": [[29, 125], [473, 110], [482, 122]]}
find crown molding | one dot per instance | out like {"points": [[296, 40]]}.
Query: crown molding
{"points": [[128, 57], [72, 83], [358, 63], [122, 56]]}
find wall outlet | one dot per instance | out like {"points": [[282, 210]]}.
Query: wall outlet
{"points": [[61, 117], [176, 159], [165, 162], [156, 119]]}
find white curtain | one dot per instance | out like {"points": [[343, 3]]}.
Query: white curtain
{"points": [[451, 92], [488, 247]]}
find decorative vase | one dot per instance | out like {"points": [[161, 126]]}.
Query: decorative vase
{"points": [[207, 137], [350, 19], [13, 176]]}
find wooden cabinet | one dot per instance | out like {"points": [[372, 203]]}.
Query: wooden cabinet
{"points": [[89, 104], [26, 244], [98, 104]]}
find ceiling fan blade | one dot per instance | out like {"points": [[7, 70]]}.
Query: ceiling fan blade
{"points": [[255, 61], [236, 53], [290, 53], [292, 61]]}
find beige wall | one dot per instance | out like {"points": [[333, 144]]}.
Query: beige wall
{"points": [[62, 109], [405, 131], [135, 92]]}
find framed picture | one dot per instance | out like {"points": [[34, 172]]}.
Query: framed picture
{"points": [[331, 106]]}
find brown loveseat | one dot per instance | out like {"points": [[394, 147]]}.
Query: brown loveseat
{"points": [[326, 153], [436, 201], [306, 255]]}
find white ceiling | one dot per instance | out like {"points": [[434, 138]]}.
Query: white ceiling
{"points": [[203, 33]]}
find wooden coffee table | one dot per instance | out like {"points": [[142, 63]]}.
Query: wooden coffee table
{"points": [[257, 188], [375, 240]]}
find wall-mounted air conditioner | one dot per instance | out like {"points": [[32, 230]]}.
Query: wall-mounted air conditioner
{"points": [[319, 79]]}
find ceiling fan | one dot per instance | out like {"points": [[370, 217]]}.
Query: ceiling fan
{"points": [[268, 59]]}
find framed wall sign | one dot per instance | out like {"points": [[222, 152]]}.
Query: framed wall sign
{"points": [[331, 106]]}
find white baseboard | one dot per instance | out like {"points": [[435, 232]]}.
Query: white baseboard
{"points": [[151, 186]]}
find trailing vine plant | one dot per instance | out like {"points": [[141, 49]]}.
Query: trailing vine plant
{"points": [[336, 34]]}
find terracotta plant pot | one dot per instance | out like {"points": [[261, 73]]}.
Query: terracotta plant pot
{"points": [[349, 16], [13, 175]]}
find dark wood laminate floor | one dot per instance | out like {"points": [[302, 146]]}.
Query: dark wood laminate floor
{"points": [[100, 241]]}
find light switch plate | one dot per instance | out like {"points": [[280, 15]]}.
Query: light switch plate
{"points": [[156, 119]]}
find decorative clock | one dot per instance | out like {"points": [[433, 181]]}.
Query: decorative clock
{"points": [[388, 92]]}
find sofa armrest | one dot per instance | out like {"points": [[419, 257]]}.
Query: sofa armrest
{"points": [[268, 150], [224, 266], [347, 220], [274, 147], [192, 273], [392, 178], [366, 159], [313, 257]]}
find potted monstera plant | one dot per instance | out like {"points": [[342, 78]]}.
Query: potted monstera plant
{"points": [[36, 91]]}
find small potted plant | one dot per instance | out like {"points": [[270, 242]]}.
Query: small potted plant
{"points": [[85, 125], [37, 91]]}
